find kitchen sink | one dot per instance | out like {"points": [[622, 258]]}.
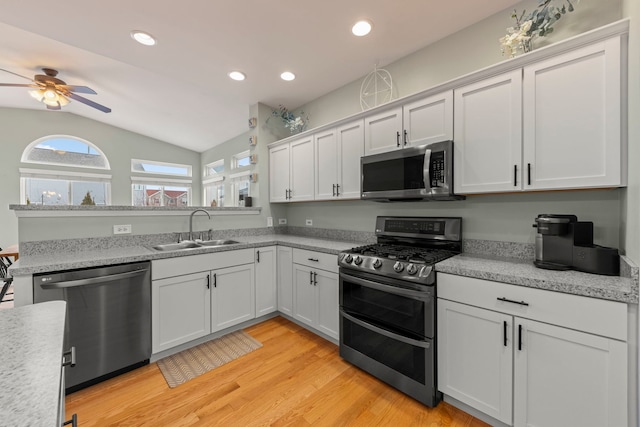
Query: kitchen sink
{"points": [[190, 244], [219, 242], [177, 246]]}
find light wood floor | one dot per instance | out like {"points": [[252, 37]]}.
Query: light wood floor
{"points": [[295, 379]]}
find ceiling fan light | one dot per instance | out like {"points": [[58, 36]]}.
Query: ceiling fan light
{"points": [[37, 94]]}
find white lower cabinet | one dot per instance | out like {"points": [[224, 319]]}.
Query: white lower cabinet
{"points": [[266, 278], [180, 308], [285, 280], [499, 353], [315, 291], [232, 296]]}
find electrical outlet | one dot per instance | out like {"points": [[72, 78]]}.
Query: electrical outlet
{"points": [[122, 229], [269, 221], [282, 221], [308, 222]]}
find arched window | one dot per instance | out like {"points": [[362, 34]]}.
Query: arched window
{"points": [[68, 171]]}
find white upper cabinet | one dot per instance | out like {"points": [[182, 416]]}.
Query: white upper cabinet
{"points": [[338, 153], [302, 169], [420, 122], [488, 128], [572, 121], [428, 120], [291, 171], [382, 131], [555, 124], [279, 173]]}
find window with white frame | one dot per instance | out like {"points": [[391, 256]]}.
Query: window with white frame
{"points": [[83, 180], [215, 168], [213, 184], [165, 188], [241, 186], [241, 160]]}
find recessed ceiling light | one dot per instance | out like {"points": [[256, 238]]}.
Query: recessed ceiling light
{"points": [[288, 76], [361, 28], [237, 75], [143, 38]]}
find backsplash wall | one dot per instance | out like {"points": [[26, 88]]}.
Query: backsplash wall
{"points": [[503, 217]]}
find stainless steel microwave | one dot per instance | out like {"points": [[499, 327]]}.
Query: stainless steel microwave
{"points": [[416, 173]]}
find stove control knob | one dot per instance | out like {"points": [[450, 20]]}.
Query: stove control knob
{"points": [[357, 260], [348, 259], [377, 263], [412, 269], [398, 267]]}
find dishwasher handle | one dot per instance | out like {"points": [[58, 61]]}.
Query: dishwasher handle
{"points": [[93, 280]]}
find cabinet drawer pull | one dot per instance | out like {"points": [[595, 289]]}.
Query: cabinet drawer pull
{"points": [[405, 137], [258, 256], [313, 259], [528, 173], [337, 190], [398, 139], [505, 332], [519, 337], [71, 354], [515, 175], [73, 421], [513, 302], [215, 280], [208, 281]]}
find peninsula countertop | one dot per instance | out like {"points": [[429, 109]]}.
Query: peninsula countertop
{"points": [[32, 345]]}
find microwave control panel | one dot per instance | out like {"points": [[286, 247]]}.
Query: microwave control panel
{"points": [[437, 169]]}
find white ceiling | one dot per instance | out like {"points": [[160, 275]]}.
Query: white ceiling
{"points": [[178, 91]]}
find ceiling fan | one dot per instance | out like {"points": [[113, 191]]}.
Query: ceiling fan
{"points": [[55, 93]]}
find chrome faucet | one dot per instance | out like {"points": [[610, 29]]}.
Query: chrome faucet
{"points": [[191, 221]]}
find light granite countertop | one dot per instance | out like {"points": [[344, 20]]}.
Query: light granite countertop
{"points": [[32, 340], [69, 259], [523, 273]]}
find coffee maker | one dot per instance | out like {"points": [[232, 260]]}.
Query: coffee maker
{"points": [[564, 243]]}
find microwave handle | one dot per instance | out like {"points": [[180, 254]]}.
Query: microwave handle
{"points": [[426, 167]]}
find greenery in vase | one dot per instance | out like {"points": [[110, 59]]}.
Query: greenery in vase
{"points": [[538, 23], [295, 124]]}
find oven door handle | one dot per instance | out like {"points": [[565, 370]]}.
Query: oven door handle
{"points": [[386, 288], [378, 330]]}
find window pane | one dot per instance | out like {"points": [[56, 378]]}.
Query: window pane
{"points": [[47, 191], [67, 151], [87, 193], [241, 190], [159, 195], [214, 194], [160, 168], [244, 161], [215, 168]]}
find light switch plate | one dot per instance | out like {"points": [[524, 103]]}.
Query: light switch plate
{"points": [[122, 229], [269, 221], [308, 222], [282, 221]]}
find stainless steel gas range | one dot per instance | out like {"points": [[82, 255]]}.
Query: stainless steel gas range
{"points": [[388, 302]]}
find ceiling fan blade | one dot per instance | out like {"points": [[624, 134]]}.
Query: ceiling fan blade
{"points": [[19, 85], [88, 102], [78, 89], [15, 74]]}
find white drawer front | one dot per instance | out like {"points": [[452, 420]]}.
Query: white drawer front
{"points": [[313, 259], [596, 316]]}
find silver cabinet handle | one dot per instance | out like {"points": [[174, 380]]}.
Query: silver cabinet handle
{"points": [[503, 299], [73, 421], [71, 354]]}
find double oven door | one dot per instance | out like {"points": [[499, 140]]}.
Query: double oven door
{"points": [[387, 328]]}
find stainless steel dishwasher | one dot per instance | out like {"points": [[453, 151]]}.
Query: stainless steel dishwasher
{"points": [[108, 318]]}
